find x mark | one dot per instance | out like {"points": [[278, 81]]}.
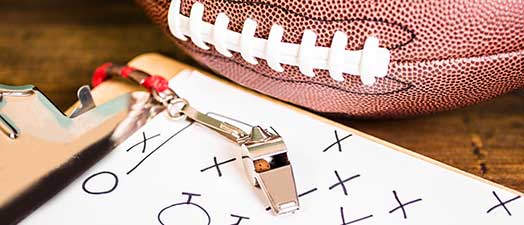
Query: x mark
{"points": [[402, 205], [144, 141], [337, 142], [502, 203], [217, 165], [342, 182], [353, 221]]}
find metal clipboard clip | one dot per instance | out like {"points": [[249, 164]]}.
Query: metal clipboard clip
{"points": [[42, 149]]}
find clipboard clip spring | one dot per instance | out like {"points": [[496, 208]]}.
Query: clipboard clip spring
{"points": [[264, 154]]}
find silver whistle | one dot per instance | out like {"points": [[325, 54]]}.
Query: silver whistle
{"points": [[264, 155], [265, 160], [42, 149]]}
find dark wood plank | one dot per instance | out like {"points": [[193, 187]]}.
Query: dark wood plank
{"points": [[56, 44], [486, 139]]}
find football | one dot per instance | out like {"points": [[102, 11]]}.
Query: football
{"points": [[364, 59]]}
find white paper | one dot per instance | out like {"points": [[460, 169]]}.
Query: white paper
{"points": [[151, 193]]}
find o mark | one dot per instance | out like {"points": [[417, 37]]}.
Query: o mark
{"points": [[115, 184]]}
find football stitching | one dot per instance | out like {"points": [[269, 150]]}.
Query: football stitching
{"points": [[216, 56], [350, 20], [371, 62]]}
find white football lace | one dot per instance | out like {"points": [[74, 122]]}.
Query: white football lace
{"points": [[370, 62]]}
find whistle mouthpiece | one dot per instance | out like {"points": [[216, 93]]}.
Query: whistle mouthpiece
{"points": [[268, 168]]}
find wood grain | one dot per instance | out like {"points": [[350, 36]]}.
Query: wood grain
{"points": [[56, 44]]}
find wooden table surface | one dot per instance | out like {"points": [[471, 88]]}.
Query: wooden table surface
{"points": [[56, 44]]}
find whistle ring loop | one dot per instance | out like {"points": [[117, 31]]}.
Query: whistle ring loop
{"points": [[175, 108]]}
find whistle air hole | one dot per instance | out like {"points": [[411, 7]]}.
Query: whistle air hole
{"points": [[271, 162], [279, 160]]}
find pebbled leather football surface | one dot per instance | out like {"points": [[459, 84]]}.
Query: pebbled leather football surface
{"points": [[444, 54]]}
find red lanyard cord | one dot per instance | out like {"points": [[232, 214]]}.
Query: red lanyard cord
{"points": [[150, 82]]}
